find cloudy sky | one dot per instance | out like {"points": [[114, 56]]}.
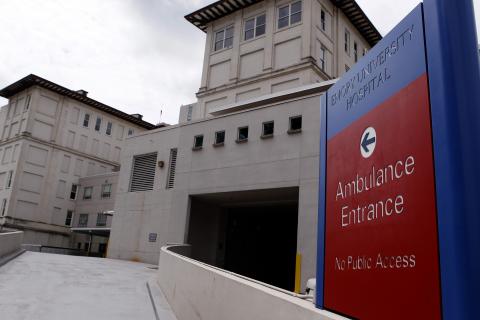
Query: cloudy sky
{"points": [[140, 56]]}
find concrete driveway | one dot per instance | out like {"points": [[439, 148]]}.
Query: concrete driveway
{"points": [[45, 286]]}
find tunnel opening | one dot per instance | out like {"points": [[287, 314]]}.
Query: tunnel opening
{"points": [[252, 233]]}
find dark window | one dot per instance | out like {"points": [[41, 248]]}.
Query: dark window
{"points": [[68, 219], [4, 206], [9, 179], [347, 41], [27, 103], [106, 190], [101, 220], [143, 172], [198, 142], [224, 38], [254, 27], [108, 131], [86, 120], [130, 132], [267, 129], [172, 168], [73, 192], [355, 51], [87, 193], [290, 14], [220, 137], [98, 124], [295, 124], [83, 220], [86, 246], [322, 19], [242, 134]]}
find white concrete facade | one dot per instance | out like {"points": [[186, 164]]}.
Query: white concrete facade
{"points": [[285, 160], [311, 50], [50, 139]]}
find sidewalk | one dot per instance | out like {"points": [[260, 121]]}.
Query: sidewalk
{"points": [[42, 286]]}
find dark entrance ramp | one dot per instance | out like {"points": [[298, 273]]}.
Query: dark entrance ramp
{"points": [[252, 233]]}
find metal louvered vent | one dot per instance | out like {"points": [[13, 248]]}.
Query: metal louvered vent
{"points": [[143, 172], [171, 168]]}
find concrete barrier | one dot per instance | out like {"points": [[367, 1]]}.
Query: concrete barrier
{"points": [[197, 291], [10, 242]]}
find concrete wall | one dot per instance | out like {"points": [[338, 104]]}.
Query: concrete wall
{"points": [[282, 161], [198, 291], [10, 242]]}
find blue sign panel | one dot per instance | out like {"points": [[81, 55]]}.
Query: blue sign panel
{"points": [[399, 220]]}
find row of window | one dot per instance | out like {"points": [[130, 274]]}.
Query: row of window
{"points": [[288, 15], [83, 219], [14, 107], [106, 192], [355, 46], [98, 125], [295, 125]]}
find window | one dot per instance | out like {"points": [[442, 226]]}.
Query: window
{"points": [[143, 172], [86, 246], [106, 190], [347, 41], [172, 168], [27, 102], [189, 112], [108, 131], [4, 206], [98, 124], [219, 138], [87, 193], [242, 134], [9, 179], [322, 59], [101, 220], [130, 131], [289, 14], [267, 129], [295, 124], [73, 192], [83, 220], [198, 142], [355, 51], [322, 20], [254, 27], [86, 120], [68, 219], [224, 38]]}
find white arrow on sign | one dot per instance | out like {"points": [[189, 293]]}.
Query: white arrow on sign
{"points": [[368, 142]]}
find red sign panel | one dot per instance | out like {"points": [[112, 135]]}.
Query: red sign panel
{"points": [[381, 253]]}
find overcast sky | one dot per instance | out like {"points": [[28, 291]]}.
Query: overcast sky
{"points": [[140, 56]]}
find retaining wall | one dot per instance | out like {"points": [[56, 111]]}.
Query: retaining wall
{"points": [[197, 291], [10, 242]]}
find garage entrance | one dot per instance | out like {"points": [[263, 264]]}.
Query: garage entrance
{"points": [[252, 233]]}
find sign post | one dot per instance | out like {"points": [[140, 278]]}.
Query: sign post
{"points": [[389, 246]]}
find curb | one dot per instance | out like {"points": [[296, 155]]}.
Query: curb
{"points": [[9, 257]]}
